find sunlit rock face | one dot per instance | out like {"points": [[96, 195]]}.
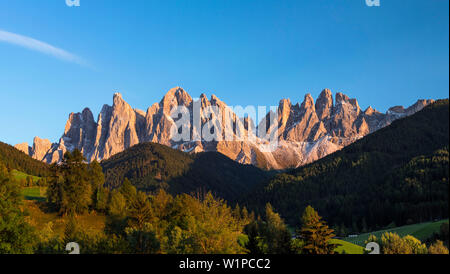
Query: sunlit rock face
{"points": [[305, 131]]}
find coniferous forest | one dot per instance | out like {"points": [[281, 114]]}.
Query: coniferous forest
{"points": [[397, 175]]}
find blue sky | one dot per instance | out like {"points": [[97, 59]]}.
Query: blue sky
{"points": [[247, 52]]}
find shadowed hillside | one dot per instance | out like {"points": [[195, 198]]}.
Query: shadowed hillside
{"points": [[16, 159], [398, 174], [150, 166]]}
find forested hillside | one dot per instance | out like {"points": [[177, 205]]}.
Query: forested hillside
{"points": [[15, 159], [398, 174], [151, 166]]}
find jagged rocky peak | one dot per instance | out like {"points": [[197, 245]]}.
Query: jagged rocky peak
{"points": [[175, 97], [120, 106], [87, 115], [77, 120], [343, 102], [24, 147], [214, 98], [340, 97], [105, 110], [215, 101], [117, 98], [354, 103], [40, 148], [308, 103], [80, 131], [324, 104], [204, 102], [302, 121], [284, 111], [119, 103], [370, 111], [285, 104]]}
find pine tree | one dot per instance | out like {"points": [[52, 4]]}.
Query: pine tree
{"points": [[70, 190], [97, 179], [315, 234], [117, 205], [278, 236], [140, 211], [128, 190], [269, 237]]}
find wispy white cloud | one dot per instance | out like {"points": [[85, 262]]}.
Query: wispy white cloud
{"points": [[33, 44]]}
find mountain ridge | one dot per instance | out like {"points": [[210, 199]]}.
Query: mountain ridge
{"points": [[305, 132]]}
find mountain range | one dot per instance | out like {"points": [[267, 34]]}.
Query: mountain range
{"points": [[305, 132]]}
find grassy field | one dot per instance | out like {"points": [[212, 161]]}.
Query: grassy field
{"points": [[34, 193], [346, 246], [19, 175], [30, 193], [349, 248], [40, 218], [421, 231]]}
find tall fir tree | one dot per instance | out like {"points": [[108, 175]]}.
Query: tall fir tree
{"points": [[315, 234], [70, 189]]}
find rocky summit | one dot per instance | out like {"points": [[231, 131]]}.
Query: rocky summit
{"points": [[304, 132]]}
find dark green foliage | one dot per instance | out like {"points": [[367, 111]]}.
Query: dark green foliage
{"points": [[161, 223], [396, 174], [16, 235], [315, 234], [270, 236], [140, 211], [97, 180], [75, 187], [442, 235], [16, 159], [70, 190], [151, 166], [142, 241]]}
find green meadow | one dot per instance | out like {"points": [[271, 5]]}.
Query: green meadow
{"points": [[347, 248], [421, 231], [34, 193], [18, 175]]}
